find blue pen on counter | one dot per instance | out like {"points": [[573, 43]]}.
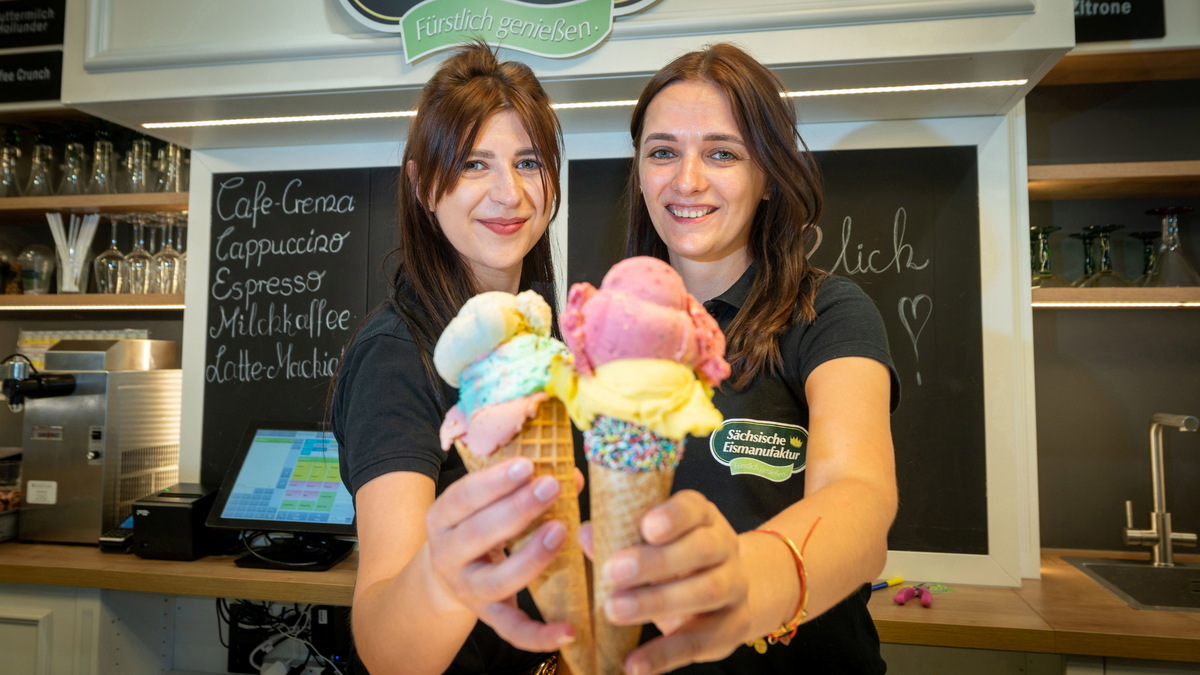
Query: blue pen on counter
{"points": [[894, 581]]}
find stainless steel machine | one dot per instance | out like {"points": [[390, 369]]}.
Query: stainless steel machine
{"points": [[101, 430]]}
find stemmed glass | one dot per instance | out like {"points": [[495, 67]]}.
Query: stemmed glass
{"points": [[166, 261], [1170, 266], [1043, 276], [138, 261], [1147, 238], [1087, 236], [1107, 277], [110, 264]]}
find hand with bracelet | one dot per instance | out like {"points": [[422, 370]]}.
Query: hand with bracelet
{"points": [[693, 579]]}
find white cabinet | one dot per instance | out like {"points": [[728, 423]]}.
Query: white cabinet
{"points": [[47, 630], [134, 62]]}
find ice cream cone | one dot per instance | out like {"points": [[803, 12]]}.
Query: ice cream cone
{"points": [[561, 591], [619, 500]]}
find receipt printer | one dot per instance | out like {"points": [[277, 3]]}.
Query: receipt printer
{"points": [[169, 524]]}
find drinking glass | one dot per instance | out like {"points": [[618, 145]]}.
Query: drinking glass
{"points": [[10, 153], [181, 246], [1087, 236], [138, 262], [37, 268], [74, 169], [103, 180], [1106, 277], [171, 169], [41, 180], [1170, 266], [138, 170], [110, 264], [1147, 237], [166, 261], [1043, 276]]}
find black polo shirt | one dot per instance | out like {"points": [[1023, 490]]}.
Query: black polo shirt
{"points": [[386, 418], [753, 466]]}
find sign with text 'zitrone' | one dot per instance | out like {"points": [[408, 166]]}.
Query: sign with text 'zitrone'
{"points": [[1105, 20], [550, 28]]}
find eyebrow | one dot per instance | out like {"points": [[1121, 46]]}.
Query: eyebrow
{"points": [[488, 154], [727, 138]]}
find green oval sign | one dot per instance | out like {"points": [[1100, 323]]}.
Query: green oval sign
{"points": [[550, 28], [769, 450]]}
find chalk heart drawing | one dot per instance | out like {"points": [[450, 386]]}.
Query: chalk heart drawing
{"points": [[914, 314]]}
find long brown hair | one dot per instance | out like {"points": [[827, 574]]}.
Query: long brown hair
{"points": [[781, 225], [466, 91]]}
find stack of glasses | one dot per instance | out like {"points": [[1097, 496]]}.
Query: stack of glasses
{"points": [[1164, 265], [153, 265]]}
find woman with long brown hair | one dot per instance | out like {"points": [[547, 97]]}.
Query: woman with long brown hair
{"points": [[759, 558], [478, 189]]}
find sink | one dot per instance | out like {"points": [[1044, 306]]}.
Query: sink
{"points": [[1144, 586]]}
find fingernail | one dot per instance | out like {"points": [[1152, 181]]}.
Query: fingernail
{"points": [[564, 640], [546, 489], [657, 525], [520, 471], [621, 607], [621, 569], [636, 668], [555, 536]]}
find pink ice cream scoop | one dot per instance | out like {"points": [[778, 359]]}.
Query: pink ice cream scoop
{"points": [[642, 311]]}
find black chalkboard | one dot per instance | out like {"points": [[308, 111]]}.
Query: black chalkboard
{"points": [[294, 266], [904, 224]]}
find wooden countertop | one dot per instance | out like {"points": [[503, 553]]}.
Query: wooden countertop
{"points": [[1064, 612]]}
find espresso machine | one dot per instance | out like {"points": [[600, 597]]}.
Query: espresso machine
{"points": [[100, 431]]}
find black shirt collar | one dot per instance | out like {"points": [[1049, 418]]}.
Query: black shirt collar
{"points": [[735, 296]]}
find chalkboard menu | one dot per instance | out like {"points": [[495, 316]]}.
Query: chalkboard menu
{"points": [[904, 224], [294, 266]]}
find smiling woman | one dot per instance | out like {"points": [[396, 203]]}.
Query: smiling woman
{"points": [[478, 190], [725, 190]]}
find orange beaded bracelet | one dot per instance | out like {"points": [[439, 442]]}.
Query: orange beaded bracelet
{"points": [[787, 631]]}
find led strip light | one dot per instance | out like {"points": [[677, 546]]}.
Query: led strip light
{"points": [[573, 106]]}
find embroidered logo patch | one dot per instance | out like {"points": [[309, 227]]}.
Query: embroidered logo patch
{"points": [[768, 450]]}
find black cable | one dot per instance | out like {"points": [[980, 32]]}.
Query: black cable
{"points": [[221, 619]]}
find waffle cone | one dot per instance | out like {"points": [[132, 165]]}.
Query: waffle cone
{"points": [[561, 590], [619, 500]]}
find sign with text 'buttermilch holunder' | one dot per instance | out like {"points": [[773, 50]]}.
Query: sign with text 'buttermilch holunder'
{"points": [[550, 28]]}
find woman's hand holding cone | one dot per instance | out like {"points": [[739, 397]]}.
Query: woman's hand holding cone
{"points": [[688, 579], [467, 530]]}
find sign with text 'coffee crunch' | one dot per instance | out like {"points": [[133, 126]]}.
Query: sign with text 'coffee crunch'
{"points": [[550, 28]]}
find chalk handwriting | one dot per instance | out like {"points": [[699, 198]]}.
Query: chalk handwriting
{"points": [[876, 261]]}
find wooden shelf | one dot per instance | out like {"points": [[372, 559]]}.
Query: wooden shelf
{"points": [[1128, 66], [91, 302], [1117, 298], [1121, 180], [36, 207]]}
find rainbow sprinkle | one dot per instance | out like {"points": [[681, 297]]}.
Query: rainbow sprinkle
{"points": [[624, 446]]}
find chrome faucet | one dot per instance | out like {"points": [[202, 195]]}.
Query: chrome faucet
{"points": [[1160, 535]]}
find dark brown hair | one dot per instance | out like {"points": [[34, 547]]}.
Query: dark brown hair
{"points": [[781, 225], [466, 91]]}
